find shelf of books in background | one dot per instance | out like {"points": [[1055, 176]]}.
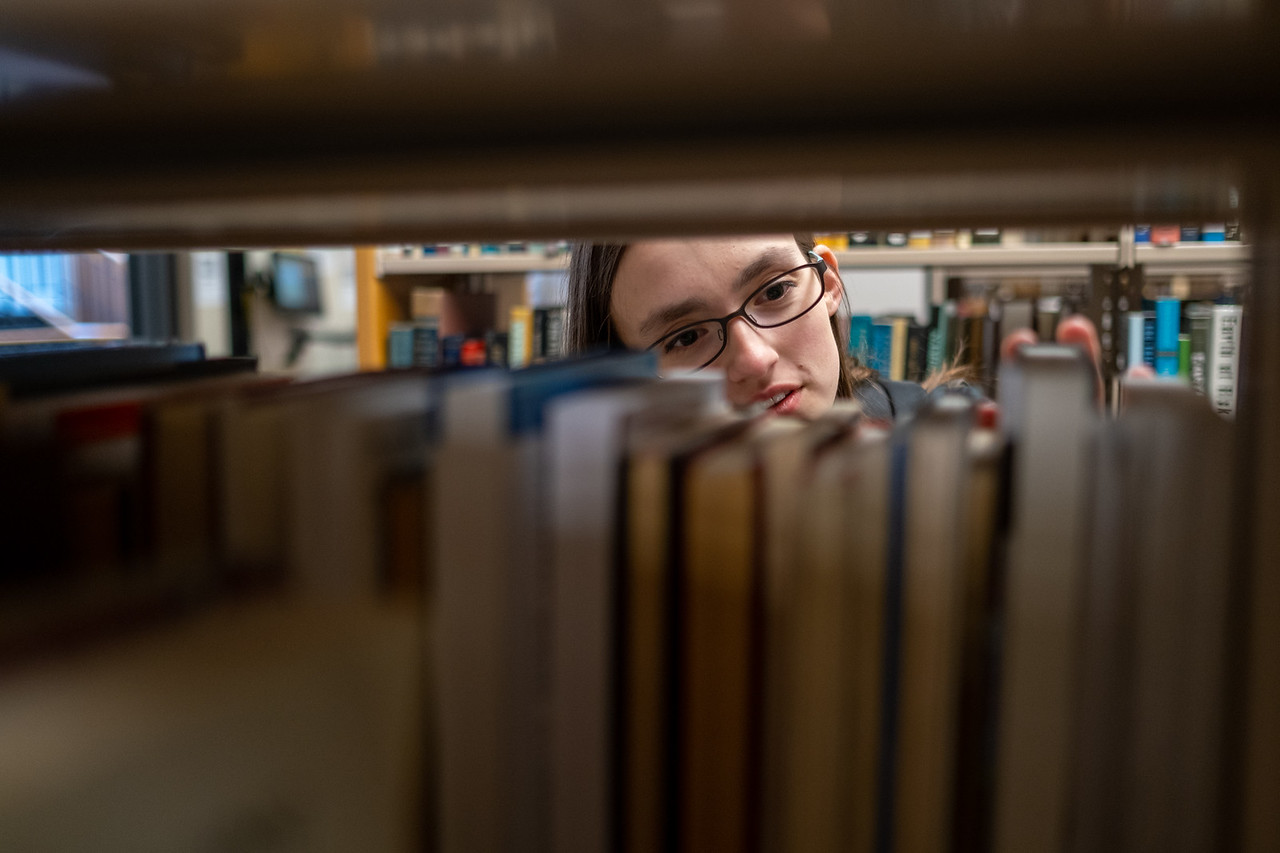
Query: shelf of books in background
{"points": [[572, 607], [1163, 235], [450, 327], [1184, 328]]}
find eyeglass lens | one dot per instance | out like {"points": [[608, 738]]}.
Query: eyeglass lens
{"points": [[777, 302]]}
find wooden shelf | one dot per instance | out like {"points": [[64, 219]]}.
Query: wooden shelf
{"points": [[1076, 257], [391, 263], [1033, 255]]}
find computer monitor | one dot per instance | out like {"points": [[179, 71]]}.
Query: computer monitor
{"points": [[295, 283]]}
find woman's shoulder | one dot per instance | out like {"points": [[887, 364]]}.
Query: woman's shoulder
{"points": [[891, 400], [888, 399]]}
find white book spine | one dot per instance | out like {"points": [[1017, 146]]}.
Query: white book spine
{"points": [[1224, 357], [1134, 358]]}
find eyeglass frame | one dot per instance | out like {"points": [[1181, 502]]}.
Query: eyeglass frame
{"points": [[817, 264]]}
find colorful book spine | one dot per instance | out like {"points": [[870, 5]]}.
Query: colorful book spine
{"points": [[1168, 321], [860, 338], [881, 346], [898, 349], [520, 336]]}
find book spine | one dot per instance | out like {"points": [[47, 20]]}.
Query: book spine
{"points": [[933, 350], [451, 350], [426, 342], [881, 346], [1224, 357], [1200, 321], [917, 350], [497, 348], [1136, 331], [898, 351], [860, 338], [400, 346], [538, 335], [1167, 322], [520, 336], [1149, 339], [553, 333]]}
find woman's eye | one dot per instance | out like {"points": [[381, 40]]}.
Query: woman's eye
{"points": [[687, 338], [776, 290]]}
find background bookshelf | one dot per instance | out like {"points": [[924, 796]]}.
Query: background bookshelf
{"points": [[375, 122]]}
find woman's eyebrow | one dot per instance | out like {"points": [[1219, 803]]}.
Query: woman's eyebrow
{"points": [[767, 261], [671, 313]]}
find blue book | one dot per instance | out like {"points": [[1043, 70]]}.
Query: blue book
{"points": [[400, 346], [881, 346], [1168, 321], [860, 337], [537, 385], [426, 342]]}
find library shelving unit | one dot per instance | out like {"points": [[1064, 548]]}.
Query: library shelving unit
{"points": [[384, 302], [381, 122]]}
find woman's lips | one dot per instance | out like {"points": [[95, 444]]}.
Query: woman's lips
{"points": [[788, 403]]}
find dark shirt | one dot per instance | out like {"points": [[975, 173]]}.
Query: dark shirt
{"points": [[887, 400]]}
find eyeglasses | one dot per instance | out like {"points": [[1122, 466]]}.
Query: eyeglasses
{"points": [[780, 300]]}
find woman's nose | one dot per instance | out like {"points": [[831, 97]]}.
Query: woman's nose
{"points": [[748, 353]]}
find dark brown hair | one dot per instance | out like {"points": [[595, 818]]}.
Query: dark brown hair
{"points": [[589, 324]]}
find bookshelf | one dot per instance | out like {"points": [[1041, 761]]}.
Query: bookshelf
{"points": [[621, 129], [385, 301]]}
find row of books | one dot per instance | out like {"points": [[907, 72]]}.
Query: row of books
{"points": [[210, 612], [964, 238], [651, 622], [831, 636], [450, 329], [962, 334], [1197, 343], [553, 249]]}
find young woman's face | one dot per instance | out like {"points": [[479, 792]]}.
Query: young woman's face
{"points": [[663, 285]]}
